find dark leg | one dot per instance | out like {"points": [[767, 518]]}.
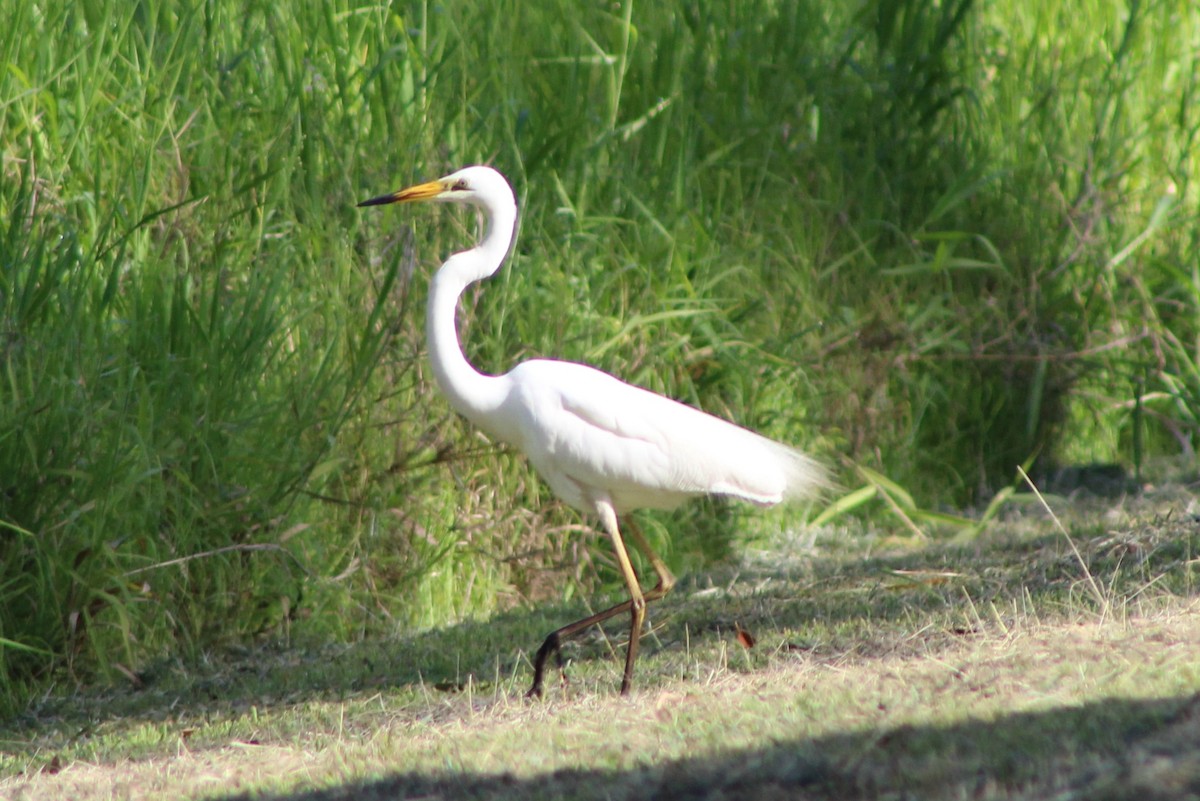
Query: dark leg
{"points": [[636, 605]]}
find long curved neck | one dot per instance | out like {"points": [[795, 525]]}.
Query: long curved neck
{"points": [[471, 393]]}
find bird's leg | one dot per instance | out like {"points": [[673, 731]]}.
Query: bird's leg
{"points": [[666, 581], [636, 605], [553, 644], [637, 602]]}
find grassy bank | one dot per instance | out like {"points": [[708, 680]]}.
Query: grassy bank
{"points": [[937, 241]]}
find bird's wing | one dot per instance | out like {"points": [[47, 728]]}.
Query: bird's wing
{"points": [[643, 449]]}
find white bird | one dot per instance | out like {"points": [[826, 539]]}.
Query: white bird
{"points": [[604, 446]]}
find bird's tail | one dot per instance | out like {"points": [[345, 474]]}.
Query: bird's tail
{"points": [[806, 478]]}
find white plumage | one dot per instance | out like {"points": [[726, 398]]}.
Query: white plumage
{"points": [[586, 431], [604, 446]]}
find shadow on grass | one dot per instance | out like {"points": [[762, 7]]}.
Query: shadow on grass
{"points": [[831, 606], [1110, 749]]}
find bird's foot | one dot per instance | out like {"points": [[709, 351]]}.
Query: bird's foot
{"points": [[552, 645]]}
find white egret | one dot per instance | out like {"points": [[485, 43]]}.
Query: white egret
{"points": [[604, 446]]}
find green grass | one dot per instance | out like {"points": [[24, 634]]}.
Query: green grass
{"points": [[936, 241]]}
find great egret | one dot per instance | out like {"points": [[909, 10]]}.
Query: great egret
{"points": [[604, 446]]}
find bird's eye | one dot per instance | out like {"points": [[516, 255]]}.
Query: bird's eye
{"points": [[459, 186]]}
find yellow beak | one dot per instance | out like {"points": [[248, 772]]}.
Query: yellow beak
{"points": [[426, 191]]}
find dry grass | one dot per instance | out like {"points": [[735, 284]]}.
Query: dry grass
{"points": [[884, 668], [1016, 712]]}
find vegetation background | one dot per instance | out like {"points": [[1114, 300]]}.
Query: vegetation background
{"points": [[933, 240]]}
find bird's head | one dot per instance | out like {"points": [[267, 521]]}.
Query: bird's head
{"points": [[480, 186]]}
